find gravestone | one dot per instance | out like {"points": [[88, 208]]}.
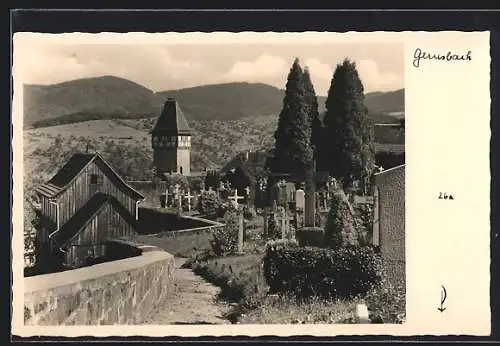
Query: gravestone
{"points": [[310, 197], [299, 208], [241, 232], [299, 200]]}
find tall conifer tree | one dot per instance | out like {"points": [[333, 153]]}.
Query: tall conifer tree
{"points": [[312, 101], [348, 132], [293, 136]]}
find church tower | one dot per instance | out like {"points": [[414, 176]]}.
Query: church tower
{"points": [[171, 141]]}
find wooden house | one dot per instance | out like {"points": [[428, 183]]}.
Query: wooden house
{"points": [[82, 206]]}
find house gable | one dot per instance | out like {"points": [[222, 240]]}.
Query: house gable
{"points": [[74, 168], [77, 229]]}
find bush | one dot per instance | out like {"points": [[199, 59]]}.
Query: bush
{"points": [[340, 227], [225, 239], [386, 301], [307, 271], [209, 203]]}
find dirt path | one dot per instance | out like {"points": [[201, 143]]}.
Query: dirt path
{"points": [[193, 302]]}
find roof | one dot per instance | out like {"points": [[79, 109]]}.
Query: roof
{"points": [[380, 177], [72, 169], [386, 147], [172, 120], [86, 213]]}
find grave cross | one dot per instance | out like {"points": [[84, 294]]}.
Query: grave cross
{"points": [[380, 169], [179, 203], [188, 196], [235, 198]]}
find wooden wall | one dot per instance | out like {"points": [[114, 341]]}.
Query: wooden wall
{"points": [[107, 224], [80, 191]]}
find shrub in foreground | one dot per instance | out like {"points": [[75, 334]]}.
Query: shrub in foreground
{"points": [[225, 239], [340, 227], [308, 271]]}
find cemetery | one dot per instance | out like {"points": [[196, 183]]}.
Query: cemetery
{"points": [[309, 241]]}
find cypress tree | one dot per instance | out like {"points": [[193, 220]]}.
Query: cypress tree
{"points": [[312, 102], [348, 132], [293, 136]]}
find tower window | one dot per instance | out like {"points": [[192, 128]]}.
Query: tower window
{"points": [[96, 179]]}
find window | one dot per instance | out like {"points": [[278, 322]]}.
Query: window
{"points": [[96, 179]]}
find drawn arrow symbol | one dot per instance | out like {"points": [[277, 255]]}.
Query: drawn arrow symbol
{"points": [[443, 298]]}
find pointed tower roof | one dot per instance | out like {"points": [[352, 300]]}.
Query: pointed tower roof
{"points": [[172, 120]]}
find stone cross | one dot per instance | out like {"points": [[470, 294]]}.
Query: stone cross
{"points": [[188, 196], [380, 169], [235, 198]]}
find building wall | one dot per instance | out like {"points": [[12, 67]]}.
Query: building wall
{"points": [[391, 190], [117, 292], [184, 161], [165, 160], [170, 153], [91, 241], [80, 191]]}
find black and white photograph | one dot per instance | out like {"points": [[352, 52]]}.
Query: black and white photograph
{"points": [[259, 183], [247, 182]]}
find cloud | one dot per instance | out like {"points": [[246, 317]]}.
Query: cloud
{"points": [[375, 80], [264, 67], [149, 65], [321, 75], [159, 67]]}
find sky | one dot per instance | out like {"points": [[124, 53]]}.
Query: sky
{"points": [[162, 67]]}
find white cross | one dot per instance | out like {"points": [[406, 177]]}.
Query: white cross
{"points": [[247, 190], [176, 188], [380, 168], [235, 197], [188, 196]]}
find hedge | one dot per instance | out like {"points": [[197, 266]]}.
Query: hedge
{"points": [[310, 271]]}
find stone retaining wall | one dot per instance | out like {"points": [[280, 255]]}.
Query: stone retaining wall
{"points": [[118, 292]]}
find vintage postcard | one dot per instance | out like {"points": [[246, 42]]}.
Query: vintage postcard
{"points": [[190, 184]]}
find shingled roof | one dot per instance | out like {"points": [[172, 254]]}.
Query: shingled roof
{"points": [[172, 120], [72, 169], [85, 214]]}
